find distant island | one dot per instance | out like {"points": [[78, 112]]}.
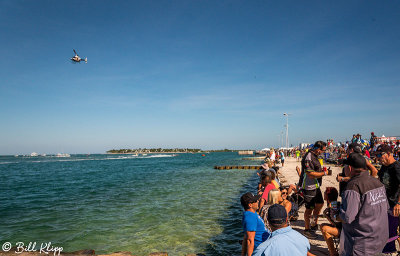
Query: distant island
{"points": [[165, 150]]}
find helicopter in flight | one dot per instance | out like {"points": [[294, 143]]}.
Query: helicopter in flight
{"points": [[78, 59]]}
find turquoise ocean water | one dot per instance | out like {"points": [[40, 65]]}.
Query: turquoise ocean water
{"points": [[178, 204]]}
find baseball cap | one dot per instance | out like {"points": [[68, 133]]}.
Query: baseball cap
{"points": [[384, 148], [249, 198], [277, 214], [356, 160]]}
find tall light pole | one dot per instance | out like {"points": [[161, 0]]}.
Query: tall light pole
{"points": [[287, 129], [281, 139]]}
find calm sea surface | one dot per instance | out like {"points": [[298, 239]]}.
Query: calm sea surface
{"points": [[178, 204]]}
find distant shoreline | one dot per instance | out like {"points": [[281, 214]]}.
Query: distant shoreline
{"points": [[154, 153], [158, 151]]}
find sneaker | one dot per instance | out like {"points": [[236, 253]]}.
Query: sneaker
{"points": [[309, 234], [314, 228]]}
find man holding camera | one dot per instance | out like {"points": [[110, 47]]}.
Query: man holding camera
{"points": [[310, 182]]}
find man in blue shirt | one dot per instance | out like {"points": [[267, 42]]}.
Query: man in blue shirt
{"points": [[283, 240], [254, 227]]}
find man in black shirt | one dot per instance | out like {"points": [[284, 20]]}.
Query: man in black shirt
{"points": [[372, 140], [310, 182], [389, 175]]}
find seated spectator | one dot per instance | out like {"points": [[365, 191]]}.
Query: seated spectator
{"points": [[294, 200], [273, 198], [333, 229], [254, 228], [274, 169], [266, 181], [284, 240], [283, 200], [276, 184], [276, 196]]}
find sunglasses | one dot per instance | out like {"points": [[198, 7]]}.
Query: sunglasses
{"points": [[284, 193]]}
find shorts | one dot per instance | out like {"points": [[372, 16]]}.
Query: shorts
{"points": [[312, 197], [282, 161]]}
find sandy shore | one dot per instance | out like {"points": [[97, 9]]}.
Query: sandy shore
{"points": [[318, 245]]}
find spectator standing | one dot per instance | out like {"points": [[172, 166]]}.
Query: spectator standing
{"points": [[282, 157], [298, 154], [284, 240], [363, 212], [372, 140], [272, 156], [254, 227], [310, 182], [389, 175], [354, 139]]}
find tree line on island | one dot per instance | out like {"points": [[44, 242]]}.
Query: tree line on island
{"points": [[164, 150]]}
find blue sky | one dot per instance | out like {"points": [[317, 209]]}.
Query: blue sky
{"points": [[204, 74]]}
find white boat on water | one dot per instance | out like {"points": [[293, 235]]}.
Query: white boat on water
{"points": [[34, 154], [63, 155]]}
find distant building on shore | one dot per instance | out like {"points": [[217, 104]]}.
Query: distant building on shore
{"points": [[246, 152]]}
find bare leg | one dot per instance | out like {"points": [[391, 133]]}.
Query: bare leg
{"points": [[307, 215], [317, 211], [328, 232]]}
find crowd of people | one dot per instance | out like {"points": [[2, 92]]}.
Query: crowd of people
{"points": [[363, 216]]}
